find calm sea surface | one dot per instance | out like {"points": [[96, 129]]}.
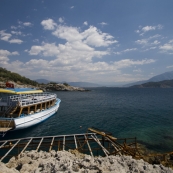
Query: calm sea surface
{"points": [[126, 112]]}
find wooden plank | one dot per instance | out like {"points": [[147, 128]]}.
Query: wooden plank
{"points": [[63, 144], [56, 136], [103, 148], [51, 144], [102, 133], [88, 146], [75, 141], [116, 147], [5, 129], [3, 144], [10, 150], [26, 146], [39, 144], [58, 145]]}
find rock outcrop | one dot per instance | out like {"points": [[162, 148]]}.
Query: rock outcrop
{"points": [[64, 161], [45, 87], [60, 87]]}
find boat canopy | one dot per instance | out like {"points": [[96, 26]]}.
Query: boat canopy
{"points": [[20, 90]]}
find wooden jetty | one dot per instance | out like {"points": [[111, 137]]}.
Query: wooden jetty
{"points": [[95, 142]]}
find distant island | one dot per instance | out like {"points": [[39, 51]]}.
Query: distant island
{"points": [[160, 84], [23, 82]]}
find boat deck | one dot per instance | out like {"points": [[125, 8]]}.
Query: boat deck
{"points": [[28, 99], [4, 129]]}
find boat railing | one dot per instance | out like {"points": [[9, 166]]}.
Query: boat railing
{"points": [[7, 101], [11, 106], [35, 100], [23, 96], [28, 99]]}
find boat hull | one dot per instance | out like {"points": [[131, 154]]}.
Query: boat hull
{"points": [[30, 120]]}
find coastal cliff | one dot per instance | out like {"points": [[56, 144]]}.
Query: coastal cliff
{"points": [[23, 82], [45, 87]]}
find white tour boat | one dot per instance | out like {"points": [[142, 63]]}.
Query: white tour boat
{"points": [[24, 107]]}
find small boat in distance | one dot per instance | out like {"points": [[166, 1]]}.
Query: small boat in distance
{"points": [[24, 107]]}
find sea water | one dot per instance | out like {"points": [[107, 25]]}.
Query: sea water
{"points": [[145, 113]]}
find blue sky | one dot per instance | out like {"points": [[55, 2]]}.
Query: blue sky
{"points": [[104, 42]]}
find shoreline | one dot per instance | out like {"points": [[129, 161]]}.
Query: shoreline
{"points": [[73, 161], [46, 87]]}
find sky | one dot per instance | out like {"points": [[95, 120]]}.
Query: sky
{"points": [[105, 42]]}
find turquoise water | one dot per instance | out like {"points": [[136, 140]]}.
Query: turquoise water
{"points": [[126, 112]]}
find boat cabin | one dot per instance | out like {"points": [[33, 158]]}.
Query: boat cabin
{"points": [[22, 102]]}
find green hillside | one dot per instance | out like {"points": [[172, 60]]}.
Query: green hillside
{"points": [[6, 75]]}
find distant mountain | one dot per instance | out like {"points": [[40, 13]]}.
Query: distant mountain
{"points": [[135, 83], [161, 77], [160, 84], [83, 84], [75, 84], [44, 81]]}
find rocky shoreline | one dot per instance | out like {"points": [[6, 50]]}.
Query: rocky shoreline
{"points": [[73, 161], [60, 87], [46, 87]]}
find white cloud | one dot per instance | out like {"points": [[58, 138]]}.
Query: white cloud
{"points": [[17, 41], [27, 24], [35, 50], [48, 24], [7, 53], [67, 52], [137, 70], [117, 53], [143, 30], [142, 41], [128, 50], [16, 32], [150, 28], [171, 66], [128, 62], [85, 23], [148, 41], [155, 42], [137, 31], [68, 33], [4, 56], [124, 51], [95, 37], [78, 51], [61, 20], [36, 40], [6, 37], [77, 70], [79, 58], [13, 27], [103, 23], [72, 7], [167, 47], [21, 25]]}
